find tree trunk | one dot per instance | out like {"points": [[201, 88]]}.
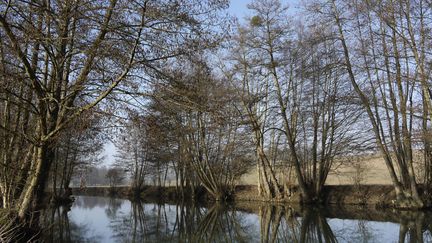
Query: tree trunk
{"points": [[33, 194]]}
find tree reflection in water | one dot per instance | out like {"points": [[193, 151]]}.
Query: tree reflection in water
{"points": [[180, 223], [283, 224], [414, 227], [113, 206], [59, 228], [223, 224], [125, 221]]}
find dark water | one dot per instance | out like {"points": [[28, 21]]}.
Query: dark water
{"points": [[100, 219]]}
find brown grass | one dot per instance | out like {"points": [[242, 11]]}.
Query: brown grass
{"points": [[375, 173]]}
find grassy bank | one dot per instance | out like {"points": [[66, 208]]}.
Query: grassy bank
{"points": [[373, 195]]}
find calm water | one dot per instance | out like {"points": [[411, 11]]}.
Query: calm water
{"points": [[100, 219]]}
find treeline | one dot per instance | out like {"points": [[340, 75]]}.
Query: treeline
{"points": [[60, 59], [293, 94], [287, 93]]}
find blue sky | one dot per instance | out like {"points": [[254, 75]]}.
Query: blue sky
{"points": [[239, 9]]}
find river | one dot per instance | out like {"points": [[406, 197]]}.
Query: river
{"points": [[103, 219]]}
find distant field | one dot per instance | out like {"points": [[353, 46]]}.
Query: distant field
{"points": [[374, 171]]}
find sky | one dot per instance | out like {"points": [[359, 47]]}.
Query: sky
{"points": [[237, 8]]}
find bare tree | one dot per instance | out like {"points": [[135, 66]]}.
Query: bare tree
{"points": [[78, 146], [134, 151], [292, 92], [115, 176], [388, 77], [207, 127], [69, 56]]}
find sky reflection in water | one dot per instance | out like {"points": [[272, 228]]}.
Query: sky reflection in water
{"points": [[100, 219]]}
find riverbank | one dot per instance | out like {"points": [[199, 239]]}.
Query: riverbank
{"points": [[372, 195]]}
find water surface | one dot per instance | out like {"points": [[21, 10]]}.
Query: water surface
{"points": [[101, 219]]}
